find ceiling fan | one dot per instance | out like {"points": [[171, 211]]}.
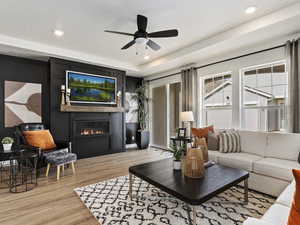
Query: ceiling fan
{"points": [[141, 36]]}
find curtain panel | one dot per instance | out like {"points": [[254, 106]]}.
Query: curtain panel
{"points": [[293, 105], [190, 93]]}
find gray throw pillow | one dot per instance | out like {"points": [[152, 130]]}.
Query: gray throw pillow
{"points": [[212, 141]]}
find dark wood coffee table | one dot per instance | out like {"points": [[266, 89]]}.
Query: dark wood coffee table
{"points": [[194, 192]]}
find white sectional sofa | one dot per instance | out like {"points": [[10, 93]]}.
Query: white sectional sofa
{"points": [[268, 157], [279, 212]]}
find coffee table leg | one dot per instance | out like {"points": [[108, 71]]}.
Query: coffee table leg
{"points": [[246, 190], [130, 186]]}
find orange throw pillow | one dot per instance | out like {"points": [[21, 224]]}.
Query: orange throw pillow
{"points": [[294, 217], [202, 132], [40, 138]]}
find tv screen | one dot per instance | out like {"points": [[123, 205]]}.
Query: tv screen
{"points": [[89, 88]]}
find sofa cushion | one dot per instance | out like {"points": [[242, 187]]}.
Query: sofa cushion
{"points": [[277, 168], [277, 215], [283, 146], [253, 142], [286, 197], [214, 155], [238, 160], [254, 221]]}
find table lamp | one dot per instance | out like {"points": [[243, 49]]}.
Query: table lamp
{"points": [[187, 117]]}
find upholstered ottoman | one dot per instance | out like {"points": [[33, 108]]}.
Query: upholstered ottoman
{"points": [[60, 159]]}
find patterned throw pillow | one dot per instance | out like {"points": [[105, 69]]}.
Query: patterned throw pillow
{"points": [[229, 142]]}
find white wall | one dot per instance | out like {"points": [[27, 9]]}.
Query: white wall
{"points": [[234, 66]]}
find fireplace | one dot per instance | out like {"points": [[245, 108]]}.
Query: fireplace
{"points": [[91, 128], [91, 137]]}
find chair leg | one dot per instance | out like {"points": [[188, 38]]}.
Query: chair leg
{"points": [[63, 170], [48, 168], [57, 172], [73, 167]]}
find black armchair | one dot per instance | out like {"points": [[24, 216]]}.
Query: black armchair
{"points": [[22, 143]]}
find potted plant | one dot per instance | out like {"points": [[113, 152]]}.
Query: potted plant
{"points": [[177, 154], [7, 143], [143, 134]]}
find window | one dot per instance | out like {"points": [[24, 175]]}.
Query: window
{"points": [[217, 100], [264, 91]]}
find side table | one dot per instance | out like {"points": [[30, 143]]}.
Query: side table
{"points": [[181, 141], [5, 168], [23, 174]]}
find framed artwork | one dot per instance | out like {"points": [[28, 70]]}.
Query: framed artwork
{"points": [[23, 103], [131, 107], [181, 133]]}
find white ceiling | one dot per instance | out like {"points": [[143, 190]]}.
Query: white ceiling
{"points": [[27, 28]]}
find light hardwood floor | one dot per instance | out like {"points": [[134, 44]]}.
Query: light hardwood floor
{"points": [[54, 202]]}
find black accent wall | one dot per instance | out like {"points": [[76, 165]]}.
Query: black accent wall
{"points": [[24, 70], [51, 75], [132, 83]]}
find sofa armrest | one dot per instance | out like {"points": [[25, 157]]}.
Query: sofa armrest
{"points": [[253, 221]]}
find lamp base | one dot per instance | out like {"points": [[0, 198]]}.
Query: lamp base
{"points": [[188, 127]]}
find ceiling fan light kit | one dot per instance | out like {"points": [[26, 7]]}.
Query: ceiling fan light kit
{"points": [[141, 40], [141, 36]]}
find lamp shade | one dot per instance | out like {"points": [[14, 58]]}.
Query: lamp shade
{"points": [[187, 116]]}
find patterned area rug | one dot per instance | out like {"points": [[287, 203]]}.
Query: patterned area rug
{"points": [[109, 202]]}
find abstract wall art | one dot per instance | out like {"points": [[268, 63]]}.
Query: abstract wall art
{"points": [[23, 103], [130, 108]]}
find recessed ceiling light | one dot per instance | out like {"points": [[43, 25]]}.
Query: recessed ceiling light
{"points": [[250, 10], [146, 57], [58, 33]]}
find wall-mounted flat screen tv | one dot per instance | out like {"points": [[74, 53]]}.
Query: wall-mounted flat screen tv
{"points": [[90, 88]]}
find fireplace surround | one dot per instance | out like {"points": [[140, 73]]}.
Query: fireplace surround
{"points": [[91, 137], [64, 120]]}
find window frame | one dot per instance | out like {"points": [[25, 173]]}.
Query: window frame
{"points": [[204, 110], [265, 108]]}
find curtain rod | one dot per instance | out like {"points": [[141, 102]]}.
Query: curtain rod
{"points": [[221, 61]]}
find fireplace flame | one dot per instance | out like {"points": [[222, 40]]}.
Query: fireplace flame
{"points": [[90, 131]]}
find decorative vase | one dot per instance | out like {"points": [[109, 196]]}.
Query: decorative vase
{"points": [[142, 139], [7, 147], [194, 163], [176, 165], [202, 145]]}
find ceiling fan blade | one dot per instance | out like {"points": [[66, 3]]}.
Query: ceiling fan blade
{"points": [[142, 22], [153, 45], [117, 32], [164, 34], [128, 45]]}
